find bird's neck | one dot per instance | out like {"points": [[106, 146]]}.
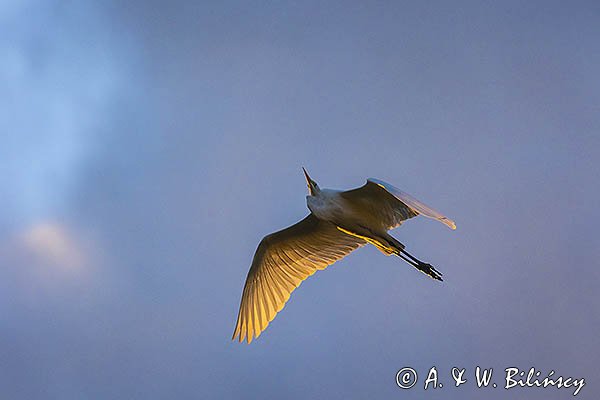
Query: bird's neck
{"points": [[323, 203]]}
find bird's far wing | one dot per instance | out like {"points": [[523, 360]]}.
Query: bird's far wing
{"points": [[282, 261], [383, 208], [413, 203]]}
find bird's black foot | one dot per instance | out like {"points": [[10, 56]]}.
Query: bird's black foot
{"points": [[428, 269]]}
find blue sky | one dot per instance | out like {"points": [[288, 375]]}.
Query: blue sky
{"points": [[148, 147]]}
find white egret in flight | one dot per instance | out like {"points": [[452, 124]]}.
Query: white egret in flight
{"points": [[339, 222]]}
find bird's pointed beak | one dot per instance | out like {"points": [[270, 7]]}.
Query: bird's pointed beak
{"points": [[306, 176], [309, 182]]}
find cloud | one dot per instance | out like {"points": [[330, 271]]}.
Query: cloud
{"points": [[52, 244], [47, 253], [47, 262]]}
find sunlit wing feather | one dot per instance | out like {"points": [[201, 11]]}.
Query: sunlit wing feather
{"points": [[381, 208], [282, 261], [413, 203]]}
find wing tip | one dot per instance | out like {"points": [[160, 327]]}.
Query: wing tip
{"points": [[448, 222], [452, 225], [237, 337]]}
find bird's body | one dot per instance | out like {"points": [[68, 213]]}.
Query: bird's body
{"points": [[339, 222]]}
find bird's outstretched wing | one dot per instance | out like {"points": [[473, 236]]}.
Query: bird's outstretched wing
{"points": [[413, 203], [282, 261], [395, 205]]}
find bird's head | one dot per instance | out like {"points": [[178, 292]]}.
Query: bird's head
{"points": [[313, 188]]}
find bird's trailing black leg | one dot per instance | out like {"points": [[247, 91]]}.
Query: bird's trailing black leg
{"points": [[389, 245], [426, 268]]}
